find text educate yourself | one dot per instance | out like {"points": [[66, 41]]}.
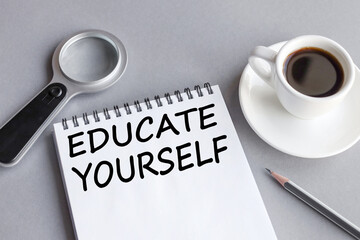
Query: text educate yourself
{"points": [[143, 161]]}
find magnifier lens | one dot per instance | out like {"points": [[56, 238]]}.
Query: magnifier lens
{"points": [[87, 62], [89, 59]]}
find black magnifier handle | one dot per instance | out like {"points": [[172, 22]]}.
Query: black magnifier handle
{"points": [[20, 132]]}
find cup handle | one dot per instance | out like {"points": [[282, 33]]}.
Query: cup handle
{"points": [[268, 55]]}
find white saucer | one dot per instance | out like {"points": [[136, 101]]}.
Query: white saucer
{"points": [[325, 136]]}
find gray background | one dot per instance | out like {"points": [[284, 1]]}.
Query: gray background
{"points": [[171, 45]]}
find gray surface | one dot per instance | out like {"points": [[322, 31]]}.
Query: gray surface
{"points": [[171, 45]]}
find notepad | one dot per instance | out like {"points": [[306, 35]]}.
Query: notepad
{"points": [[168, 168]]}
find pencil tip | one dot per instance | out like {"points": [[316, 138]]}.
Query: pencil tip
{"points": [[268, 170]]}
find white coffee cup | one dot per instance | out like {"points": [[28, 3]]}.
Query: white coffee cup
{"points": [[271, 70]]}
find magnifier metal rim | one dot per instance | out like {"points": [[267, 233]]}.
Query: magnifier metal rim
{"points": [[92, 34]]}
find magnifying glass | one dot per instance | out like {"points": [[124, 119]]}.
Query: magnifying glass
{"points": [[87, 62]]}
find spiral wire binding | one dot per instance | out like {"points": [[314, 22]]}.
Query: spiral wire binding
{"points": [[106, 113], [86, 119], [178, 95], [127, 108], [96, 116], [148, 103], [158, 100], [75, 121], [198, 90], [208, 88], [117, 111], [64, 123], [168, 98], [188, 93], [138, 107]]}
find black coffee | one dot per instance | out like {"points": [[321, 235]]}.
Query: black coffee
{"points": [[314, 72]]}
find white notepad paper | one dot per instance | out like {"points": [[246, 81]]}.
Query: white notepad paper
{"points": [[173, 168]]}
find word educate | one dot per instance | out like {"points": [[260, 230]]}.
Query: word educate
{"points": [[145, 159]]}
